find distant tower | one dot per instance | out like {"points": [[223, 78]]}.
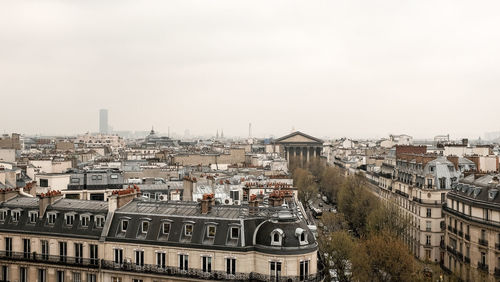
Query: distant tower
{"points": [[217, 135], [222, 133], [250, 130], [103, 121]]}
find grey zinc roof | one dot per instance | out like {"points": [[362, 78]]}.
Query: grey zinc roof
{"points": [[181, 209], [22, 202], [80, 205]]}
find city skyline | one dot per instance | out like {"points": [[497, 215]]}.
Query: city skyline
{"points": [[354, 69]]}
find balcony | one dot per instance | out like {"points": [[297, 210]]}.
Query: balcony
{"points": [[460, 256], [49, 259], [482, 266], [483, 242], [449, 228], [454, 230], [467, 237], [193, 273], [460, 233]]}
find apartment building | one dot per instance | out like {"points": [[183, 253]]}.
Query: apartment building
{"points": [[472, 239], [130, 238], [418, 185]]}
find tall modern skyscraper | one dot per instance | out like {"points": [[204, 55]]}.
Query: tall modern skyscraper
{"points": [[103, 121]]}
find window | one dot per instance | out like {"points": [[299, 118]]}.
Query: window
{"points": [[183, 262], [8, 246], [428, 240], [124, 225], [77, 277], [16, 215], [113, 176], [235, 232], [5, 273], [231, 266], [139, 257], [91, 277], [99, 177], [99, 221], [93, 254], [3, 215], [483, 234], [84, 220], [428, 225], [136, 280], [427, 254], [206, 263], [75, 180], [78, 253], [60, 276], [94, 177], [304, 270], [145, 227], [429, 212], [116, 279], [188, 230], [33, 216], [166, 228], [63, 251], [26, 248], [70, 218], [275, 270], [118, 256], [51, 217], [23, 274], [276, 236], [160, 259], [486, 214], [483, 258], [211, 231], [45, 249], [42, 275], [44, 182]]}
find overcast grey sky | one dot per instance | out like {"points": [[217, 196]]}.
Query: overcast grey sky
{"points": [[328, 68]]}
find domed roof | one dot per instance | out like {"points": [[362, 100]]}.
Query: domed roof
{"points": [[290, 241]]}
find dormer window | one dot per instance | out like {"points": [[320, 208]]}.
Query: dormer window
{"points": [[84, 220], [124, 225], [33, 215], [276, 237], [51, 217], [301, 235], [145, 227], [113, 176], [99, 221], [188, 229], [3, 215], [16, 215], [165, 228], [211, 231], [70, 218], [492, 194], [235, 233]]}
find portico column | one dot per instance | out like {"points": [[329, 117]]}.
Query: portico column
{"points": [[287, 153], [308, 152]]}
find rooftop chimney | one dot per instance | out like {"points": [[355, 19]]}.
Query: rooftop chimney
{"points": [[47, 199], [188, 185], [207, 203], [253, 205], [119, 198], [8, 193]]}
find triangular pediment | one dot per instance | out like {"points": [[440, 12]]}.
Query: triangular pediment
{"points": [[298, 137]]}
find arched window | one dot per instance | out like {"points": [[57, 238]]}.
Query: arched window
{"points": [[277, 237]]}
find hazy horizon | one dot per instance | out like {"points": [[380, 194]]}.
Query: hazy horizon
{"points": [[354, 69]]}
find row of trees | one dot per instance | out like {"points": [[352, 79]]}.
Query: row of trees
{"points": [[360, 242]]}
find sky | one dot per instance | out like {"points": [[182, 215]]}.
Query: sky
{"points": [[332, 68]]}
